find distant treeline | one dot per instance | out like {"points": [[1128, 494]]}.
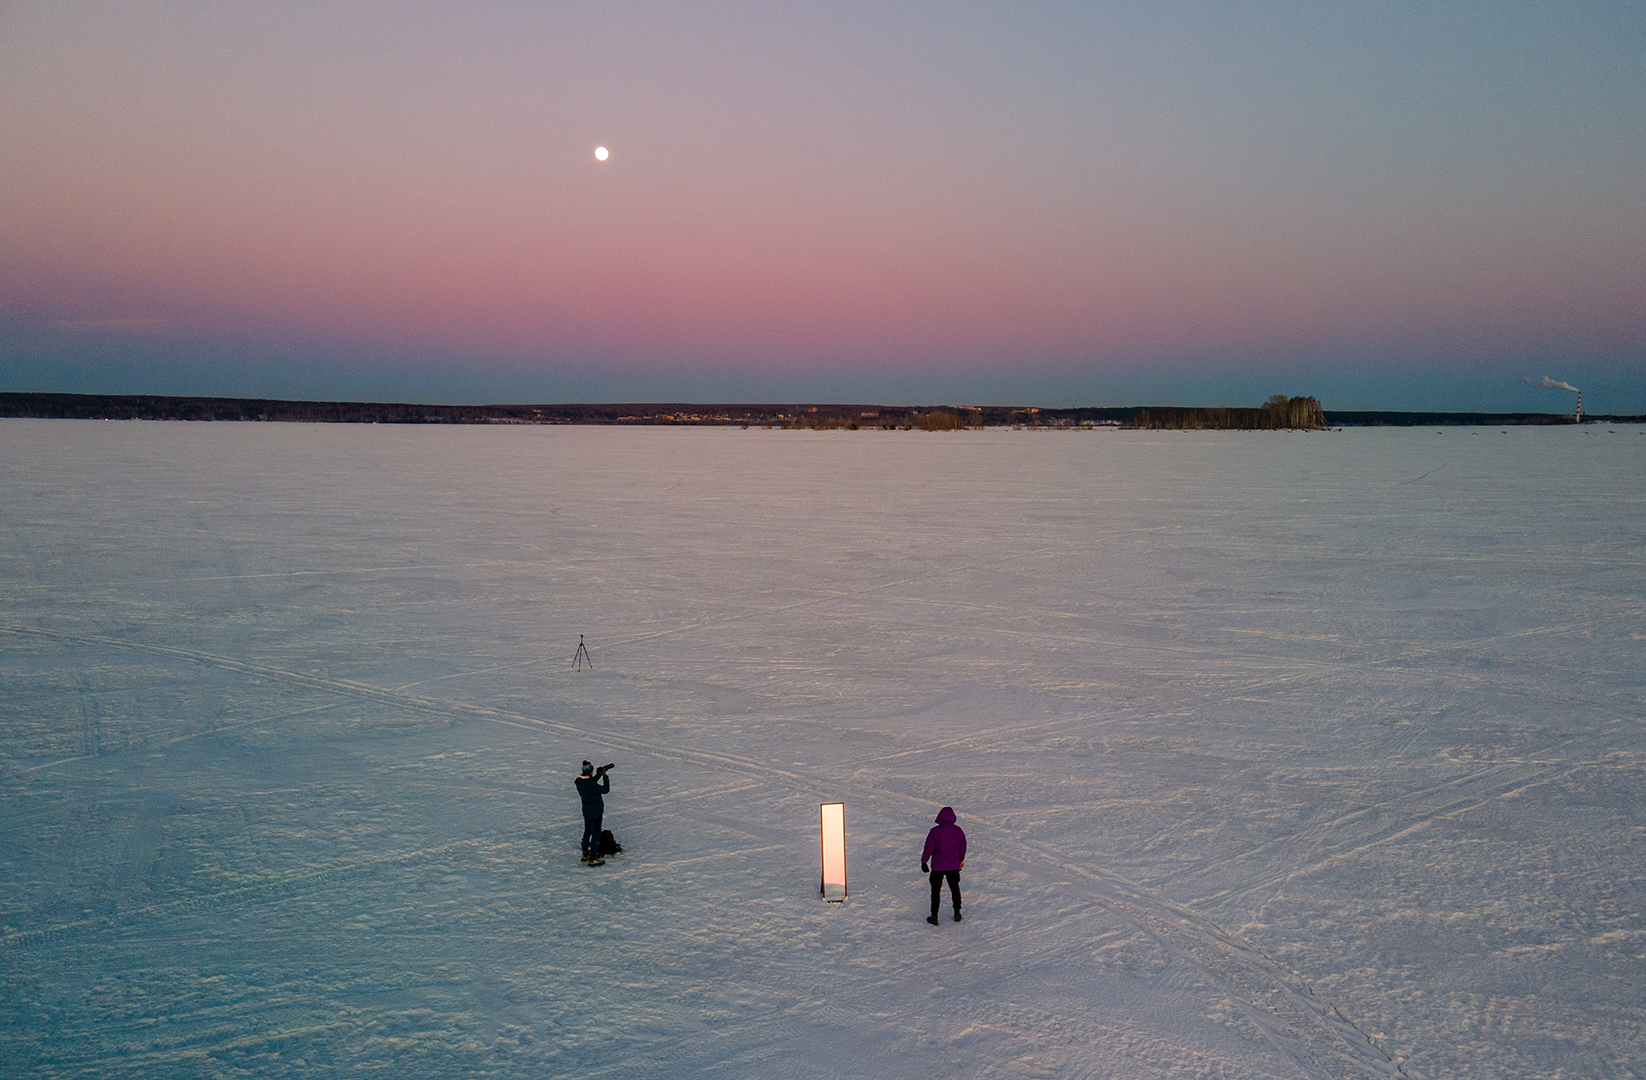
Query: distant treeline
{"points": [[1354, 418], [929, 418], [1279, 412]]}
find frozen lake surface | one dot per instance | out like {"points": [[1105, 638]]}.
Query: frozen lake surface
{"points": [[1281, 755]]}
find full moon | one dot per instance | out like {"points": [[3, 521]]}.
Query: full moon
{"points": [[600, 153]]}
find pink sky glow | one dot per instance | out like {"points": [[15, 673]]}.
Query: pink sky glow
{"points": [[1077, 192]]}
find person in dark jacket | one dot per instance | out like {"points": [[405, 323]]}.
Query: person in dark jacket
{"points": [[943, 857], [591, 785]]}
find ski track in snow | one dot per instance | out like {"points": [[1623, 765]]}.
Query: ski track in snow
{"points": [[1318, 1037], [259, 828]]}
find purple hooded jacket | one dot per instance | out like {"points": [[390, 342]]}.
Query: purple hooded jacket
{"points": [[945, 844]]}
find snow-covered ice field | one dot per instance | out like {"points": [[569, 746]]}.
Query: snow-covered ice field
{"points": [[1281, 755]]}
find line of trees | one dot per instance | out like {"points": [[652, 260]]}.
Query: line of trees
{"points": [[1279, 413]]}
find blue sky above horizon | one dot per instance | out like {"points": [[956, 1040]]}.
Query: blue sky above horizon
{"points": [[1385, 205]]}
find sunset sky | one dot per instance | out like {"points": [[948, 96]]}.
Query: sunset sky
{"points": [[1385, 205]]}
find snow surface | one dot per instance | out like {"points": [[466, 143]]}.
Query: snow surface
{"points": [[1281, 755]]}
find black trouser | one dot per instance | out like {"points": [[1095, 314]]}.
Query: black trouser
{"points": [[591, 835], [954, 888]]}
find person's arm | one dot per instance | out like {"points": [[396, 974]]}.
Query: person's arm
{"points": [[606, 782]]}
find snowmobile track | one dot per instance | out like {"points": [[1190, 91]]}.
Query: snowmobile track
{"points": [[1315, 1035]]}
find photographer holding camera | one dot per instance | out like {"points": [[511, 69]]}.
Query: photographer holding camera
{"points": [[591, 785]]}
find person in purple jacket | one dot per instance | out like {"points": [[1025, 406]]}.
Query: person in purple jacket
{"points": [[944, 857]]}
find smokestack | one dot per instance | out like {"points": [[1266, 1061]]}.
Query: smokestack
{"points": [[1547, 383]]}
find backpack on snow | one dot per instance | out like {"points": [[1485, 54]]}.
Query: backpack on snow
{"points": [[608, 844]]}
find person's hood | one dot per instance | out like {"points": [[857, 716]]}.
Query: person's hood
{"points": [[945, 816]]}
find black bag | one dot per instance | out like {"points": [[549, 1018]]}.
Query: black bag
{"points": [[608, 844]]}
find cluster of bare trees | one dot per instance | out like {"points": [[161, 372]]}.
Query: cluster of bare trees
{"points": [[1279, 413]]}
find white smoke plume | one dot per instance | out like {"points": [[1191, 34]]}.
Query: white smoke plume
{"points": [[1547, 383]]}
